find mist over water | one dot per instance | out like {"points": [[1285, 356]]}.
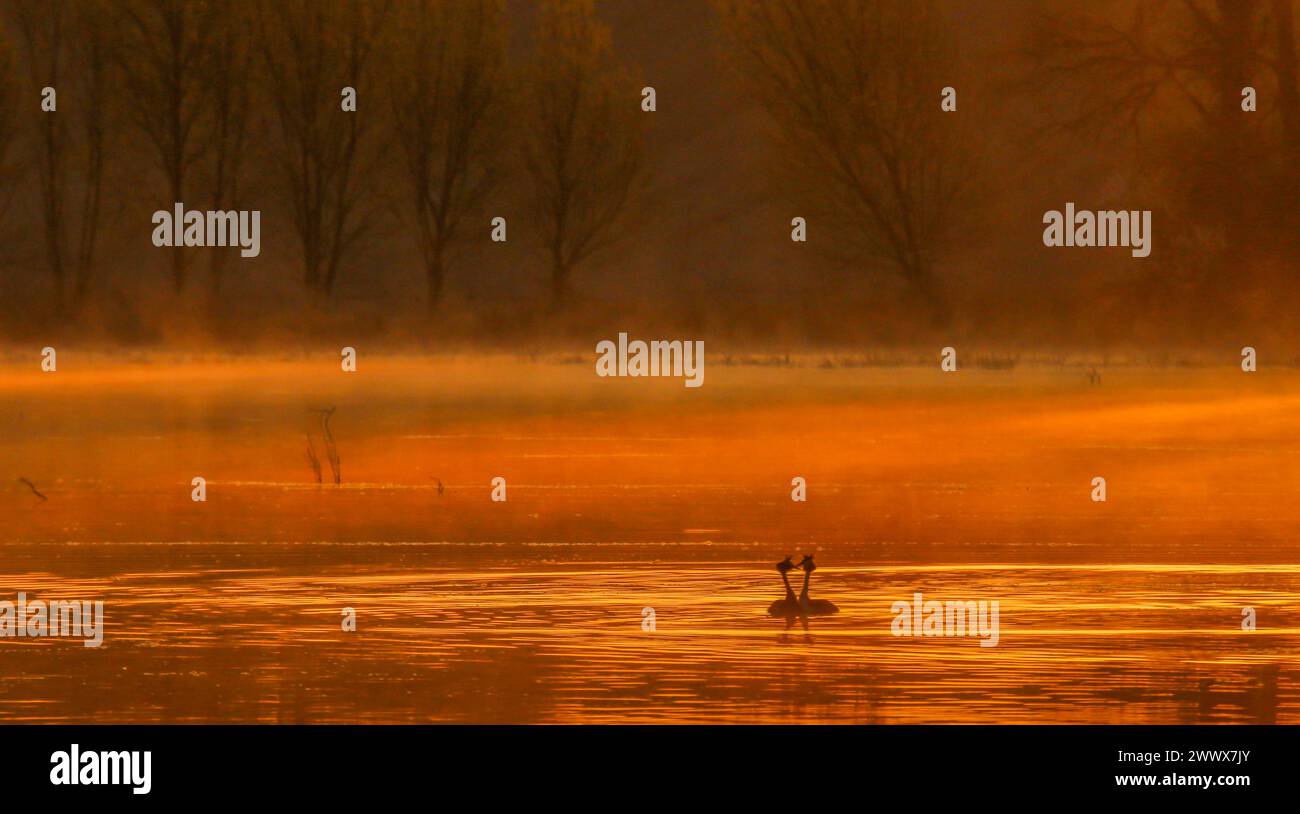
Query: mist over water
{"points": [[628, 494]]}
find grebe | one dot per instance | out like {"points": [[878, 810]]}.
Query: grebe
{"points": [[790, 605], [812, 607]]}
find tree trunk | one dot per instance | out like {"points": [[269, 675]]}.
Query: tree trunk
{"points": [[1232, 150], [217, 268], [930, 298], [559, 284], [178, 268], [434, 270], [52, 190], [1287, 68], [178, 257]]}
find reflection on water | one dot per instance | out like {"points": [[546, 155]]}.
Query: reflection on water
{"points": [[252, 633], [973, 487]]}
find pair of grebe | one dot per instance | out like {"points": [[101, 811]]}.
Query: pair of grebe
{"points": [[801, 605]]}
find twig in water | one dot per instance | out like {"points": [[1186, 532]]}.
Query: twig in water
{"points": [[312, 459], [32, 486], [331, 450]]}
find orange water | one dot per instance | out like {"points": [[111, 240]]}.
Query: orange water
{"points": [[631, 494]]}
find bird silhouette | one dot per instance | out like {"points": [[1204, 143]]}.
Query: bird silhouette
{"points": [[812, 607], [789, 606]]}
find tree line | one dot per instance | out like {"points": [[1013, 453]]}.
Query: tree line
{"points": [[229, 105], [211, 94]]}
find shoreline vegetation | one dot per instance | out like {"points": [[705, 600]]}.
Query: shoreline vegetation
{"points": [[721, 354]]}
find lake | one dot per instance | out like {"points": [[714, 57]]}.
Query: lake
{"points": [[628, 494]]}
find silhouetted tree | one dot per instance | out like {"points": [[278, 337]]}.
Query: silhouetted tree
{"points": [[42, 30], [852, 87], [312, 50], [583, 139], [164, 43], [446, 74], [228, 82], [1171, 74], [8, 121], [93, 63], [1287, 69], [69, 47]]}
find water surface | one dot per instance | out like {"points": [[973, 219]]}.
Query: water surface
{"points": [[626, 495]]}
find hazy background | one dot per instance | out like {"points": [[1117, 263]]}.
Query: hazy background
{"points": [[924, 230], [764, 110]]}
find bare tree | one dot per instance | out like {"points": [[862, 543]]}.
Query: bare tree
{"points": [[163, 47], [446, 74], [583, 145], [1169, 77], [8, 109], [227, 77], [312, 50], [42, 29], [69, 47], [852, 87], [93, 61], [1287, 69]]}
